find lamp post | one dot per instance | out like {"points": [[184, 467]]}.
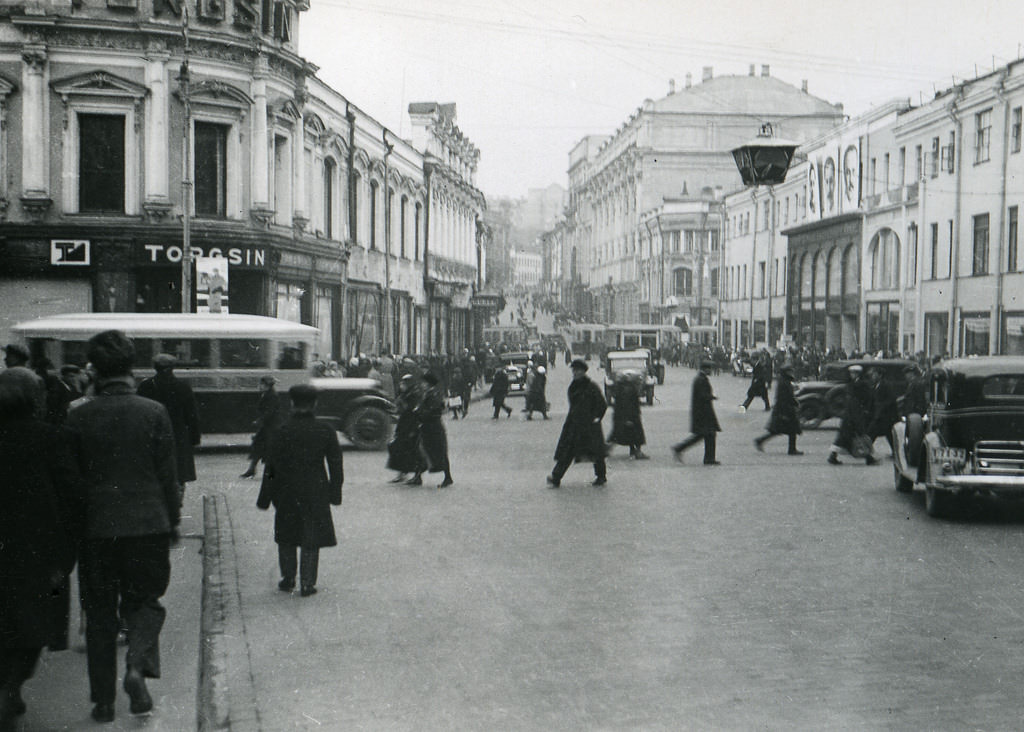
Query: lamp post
{"points": [[186, 178], [765, 161]]}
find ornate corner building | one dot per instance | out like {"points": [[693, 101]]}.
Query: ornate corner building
{"points": [[323, 215]]}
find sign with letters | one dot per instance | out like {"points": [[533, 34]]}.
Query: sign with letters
{"points": [[70, 252]]}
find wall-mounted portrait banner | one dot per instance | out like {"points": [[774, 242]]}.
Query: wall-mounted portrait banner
{"points": [[851, 178], [211, 285], [829, 192], [813, 191]]}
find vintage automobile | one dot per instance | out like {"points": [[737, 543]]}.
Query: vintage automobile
{"points": [[825, 397], [356, 407], [635, 363], [971, 442], [515, 364]]}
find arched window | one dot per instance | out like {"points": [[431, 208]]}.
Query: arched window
{"points": [[885, 260], [851, 276], [330, 170], [417, 227], [402, 211], [806, 277], [835, 273]]}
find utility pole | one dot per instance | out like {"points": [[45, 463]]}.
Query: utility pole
{"points": [[388, 149], [186, 178]]}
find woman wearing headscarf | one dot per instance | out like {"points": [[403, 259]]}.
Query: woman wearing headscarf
{"points": [[404, 449], [433, 437], [785, 419], [40, 522]]}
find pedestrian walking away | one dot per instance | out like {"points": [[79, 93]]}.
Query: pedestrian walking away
{"points": [[302, 490], [627, 427], [785, 419], [40, 524], [885, 410], [176, 395], [761, 381], [433, 438], [125, 448], [499, 390], [853, 427], [536, 398], [270, 417], [581, 439], [703, 422]]}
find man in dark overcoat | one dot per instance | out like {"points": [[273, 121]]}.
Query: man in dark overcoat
{"points": [[125, 448], [499, 390], [627, 428], [40, 521], [785, 419], [582, 439], [853, 426], [433, 437], [271, 414], [885, 410], [302, 490], [404, 453], [703, 422], [177, 396], [760, 381]]}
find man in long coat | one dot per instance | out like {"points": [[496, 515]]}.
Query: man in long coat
{"points": [[433, 437], [854, 424], [785, 419], [703, 422], [627, 428], [177, 396], [581, 439], [499, 390], [760, 381], [302, 491]]}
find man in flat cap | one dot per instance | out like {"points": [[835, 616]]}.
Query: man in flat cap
{"points": [[582, 439], [177, 396], [15, 355]]}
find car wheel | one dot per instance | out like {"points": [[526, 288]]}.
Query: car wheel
{"points": [[903, 485], [914, 439], [368, 428]]}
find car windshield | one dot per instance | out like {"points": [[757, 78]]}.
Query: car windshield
{"points": [[621, 364]]}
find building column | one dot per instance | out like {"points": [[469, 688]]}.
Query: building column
{"points": [[156, 196], [35, 195], [300, 217], [260, 174]]}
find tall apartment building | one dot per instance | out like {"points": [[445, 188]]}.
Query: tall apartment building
{"points": [[897, 231], [642, 224], [321, 214]]}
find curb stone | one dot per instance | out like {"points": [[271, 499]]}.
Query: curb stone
{"points": [[227, 695]]}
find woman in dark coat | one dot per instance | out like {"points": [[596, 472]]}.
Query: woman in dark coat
{"points": [[854, 424], [270, 417], [40, 523], [404, 449], [536, 398], [627, 429], [885, 410], [785, 419], [581, 439], [433, 437], [301, 489]]}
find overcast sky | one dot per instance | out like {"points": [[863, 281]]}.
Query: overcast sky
{"points": [[531, 77]]}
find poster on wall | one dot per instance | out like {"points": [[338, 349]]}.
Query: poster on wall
{"points": [[851, 178], [211, 285], [813, 193], [829, 196]]}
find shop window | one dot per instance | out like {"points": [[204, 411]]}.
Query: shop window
{"points": [[936, 333], [1013, 334], [211, 163], [975, 334], [101, 163]]}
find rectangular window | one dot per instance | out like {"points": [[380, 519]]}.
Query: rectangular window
{"points": [[885, 174], [902, 172], [211, 177], [980, 264], [912, 255], [918, 163], [1015, 129], [100, 163], [874, 175], [761, 280], [1011, 239], [982, 135], [935, 157], [934, 246]]}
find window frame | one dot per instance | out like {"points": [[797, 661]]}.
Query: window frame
{"points": [[980, 224], [983, 136]]}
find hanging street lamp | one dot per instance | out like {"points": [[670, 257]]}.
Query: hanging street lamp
{"points": [[765, 159]]}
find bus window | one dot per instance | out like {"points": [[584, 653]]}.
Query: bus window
{"points": [[190, 352], [292, 356], [76, 352], [241, 353]]}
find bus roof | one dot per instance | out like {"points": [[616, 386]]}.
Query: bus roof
{"points": [[168, 325], [642, 326]]}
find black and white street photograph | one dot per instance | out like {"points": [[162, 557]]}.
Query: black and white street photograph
{"points": [[586, 366]]}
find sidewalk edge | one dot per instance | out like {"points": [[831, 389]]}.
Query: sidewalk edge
{"points": [[227, 695]]}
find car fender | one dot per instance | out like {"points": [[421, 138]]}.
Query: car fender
{"points": [[926, 463]]}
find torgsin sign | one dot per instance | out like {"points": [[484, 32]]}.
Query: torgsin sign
{"points": [[160, 253]]}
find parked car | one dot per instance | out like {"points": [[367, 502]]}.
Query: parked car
{"points": [[825, 397], [635, 363], [515, 363], [971, 442], [356, 407]]}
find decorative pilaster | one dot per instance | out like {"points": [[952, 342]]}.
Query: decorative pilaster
{"points": [[156, 201], [260, 178], [35, 198], [299, 217]]}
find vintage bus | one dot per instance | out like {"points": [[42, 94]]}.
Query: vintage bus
{"points": [[654, 337], [222, 357]]}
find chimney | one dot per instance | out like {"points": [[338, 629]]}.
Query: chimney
{"points": [[803, 86], [752, 68], [671, 86], [707, 73], [689, 79], [764, 70]]}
